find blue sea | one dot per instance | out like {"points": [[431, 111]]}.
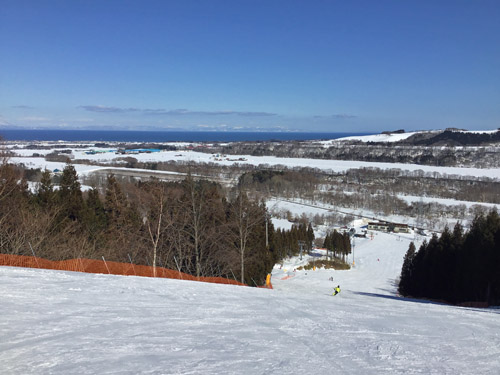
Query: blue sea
{"points": [[161, 136]]}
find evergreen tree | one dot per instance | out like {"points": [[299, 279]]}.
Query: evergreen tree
{"points": [[416, 286], [115, 203], [310, 236], [124, 226], [94, 216], [406, 271], [70, 193], [346, 248], [45, 192], [327, 243], [457, 267]]}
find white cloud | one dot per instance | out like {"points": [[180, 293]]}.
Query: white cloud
{"points": [[3, 121], [35, 119], [173, 112]]}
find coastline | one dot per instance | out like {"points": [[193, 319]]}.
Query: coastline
{"points": [[165, 136]]}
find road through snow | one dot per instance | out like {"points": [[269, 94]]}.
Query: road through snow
{"points": [[56, 322]]}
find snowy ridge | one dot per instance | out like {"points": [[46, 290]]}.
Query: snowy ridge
{"points": [[396, 137], [57, 322], [389, 138]]}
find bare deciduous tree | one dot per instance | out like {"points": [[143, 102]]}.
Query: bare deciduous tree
{"points": [[157, 217], [245, 216]]}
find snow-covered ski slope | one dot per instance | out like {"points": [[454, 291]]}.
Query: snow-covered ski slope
{"points": [[73, 323]]}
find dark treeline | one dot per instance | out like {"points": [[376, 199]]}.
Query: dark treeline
{"points": [[454, 138], [421, 183], [338, 243], [287, 241], [456, 267], [374, 181], [306, 181], [191, 225]]}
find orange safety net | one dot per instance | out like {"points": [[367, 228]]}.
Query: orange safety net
{"points": [[100, 266]]}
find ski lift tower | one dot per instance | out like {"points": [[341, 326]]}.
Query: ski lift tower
{"points": [[419, 224], [301, 245]]}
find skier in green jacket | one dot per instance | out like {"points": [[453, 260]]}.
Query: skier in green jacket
{"points": [[336, 290]]}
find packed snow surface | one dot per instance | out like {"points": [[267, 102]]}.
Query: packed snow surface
{"points": [[57, 322]]}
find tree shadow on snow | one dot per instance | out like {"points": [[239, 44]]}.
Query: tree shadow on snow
{"points": [[491, 310], [392, 297]]}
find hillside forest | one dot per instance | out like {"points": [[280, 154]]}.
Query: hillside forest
{"points": [[456, 267], [194, 226]]}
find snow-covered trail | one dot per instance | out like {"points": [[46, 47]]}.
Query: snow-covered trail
{"points": [[377, 264], [56, 322], [380, 332]]}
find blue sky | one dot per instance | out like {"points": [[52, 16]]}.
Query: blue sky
{"points": [[328, 66]]}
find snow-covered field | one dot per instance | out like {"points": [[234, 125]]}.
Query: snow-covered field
{"points": [[444, 201], [199, 157], [56, 322]]}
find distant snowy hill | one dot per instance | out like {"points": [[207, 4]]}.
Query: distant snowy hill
{"points": [[448, 135], [390, 138], [73, 323]]}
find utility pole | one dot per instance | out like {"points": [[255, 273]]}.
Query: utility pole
{"points": [[419, 224], [267, 234], [353, 245]]}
